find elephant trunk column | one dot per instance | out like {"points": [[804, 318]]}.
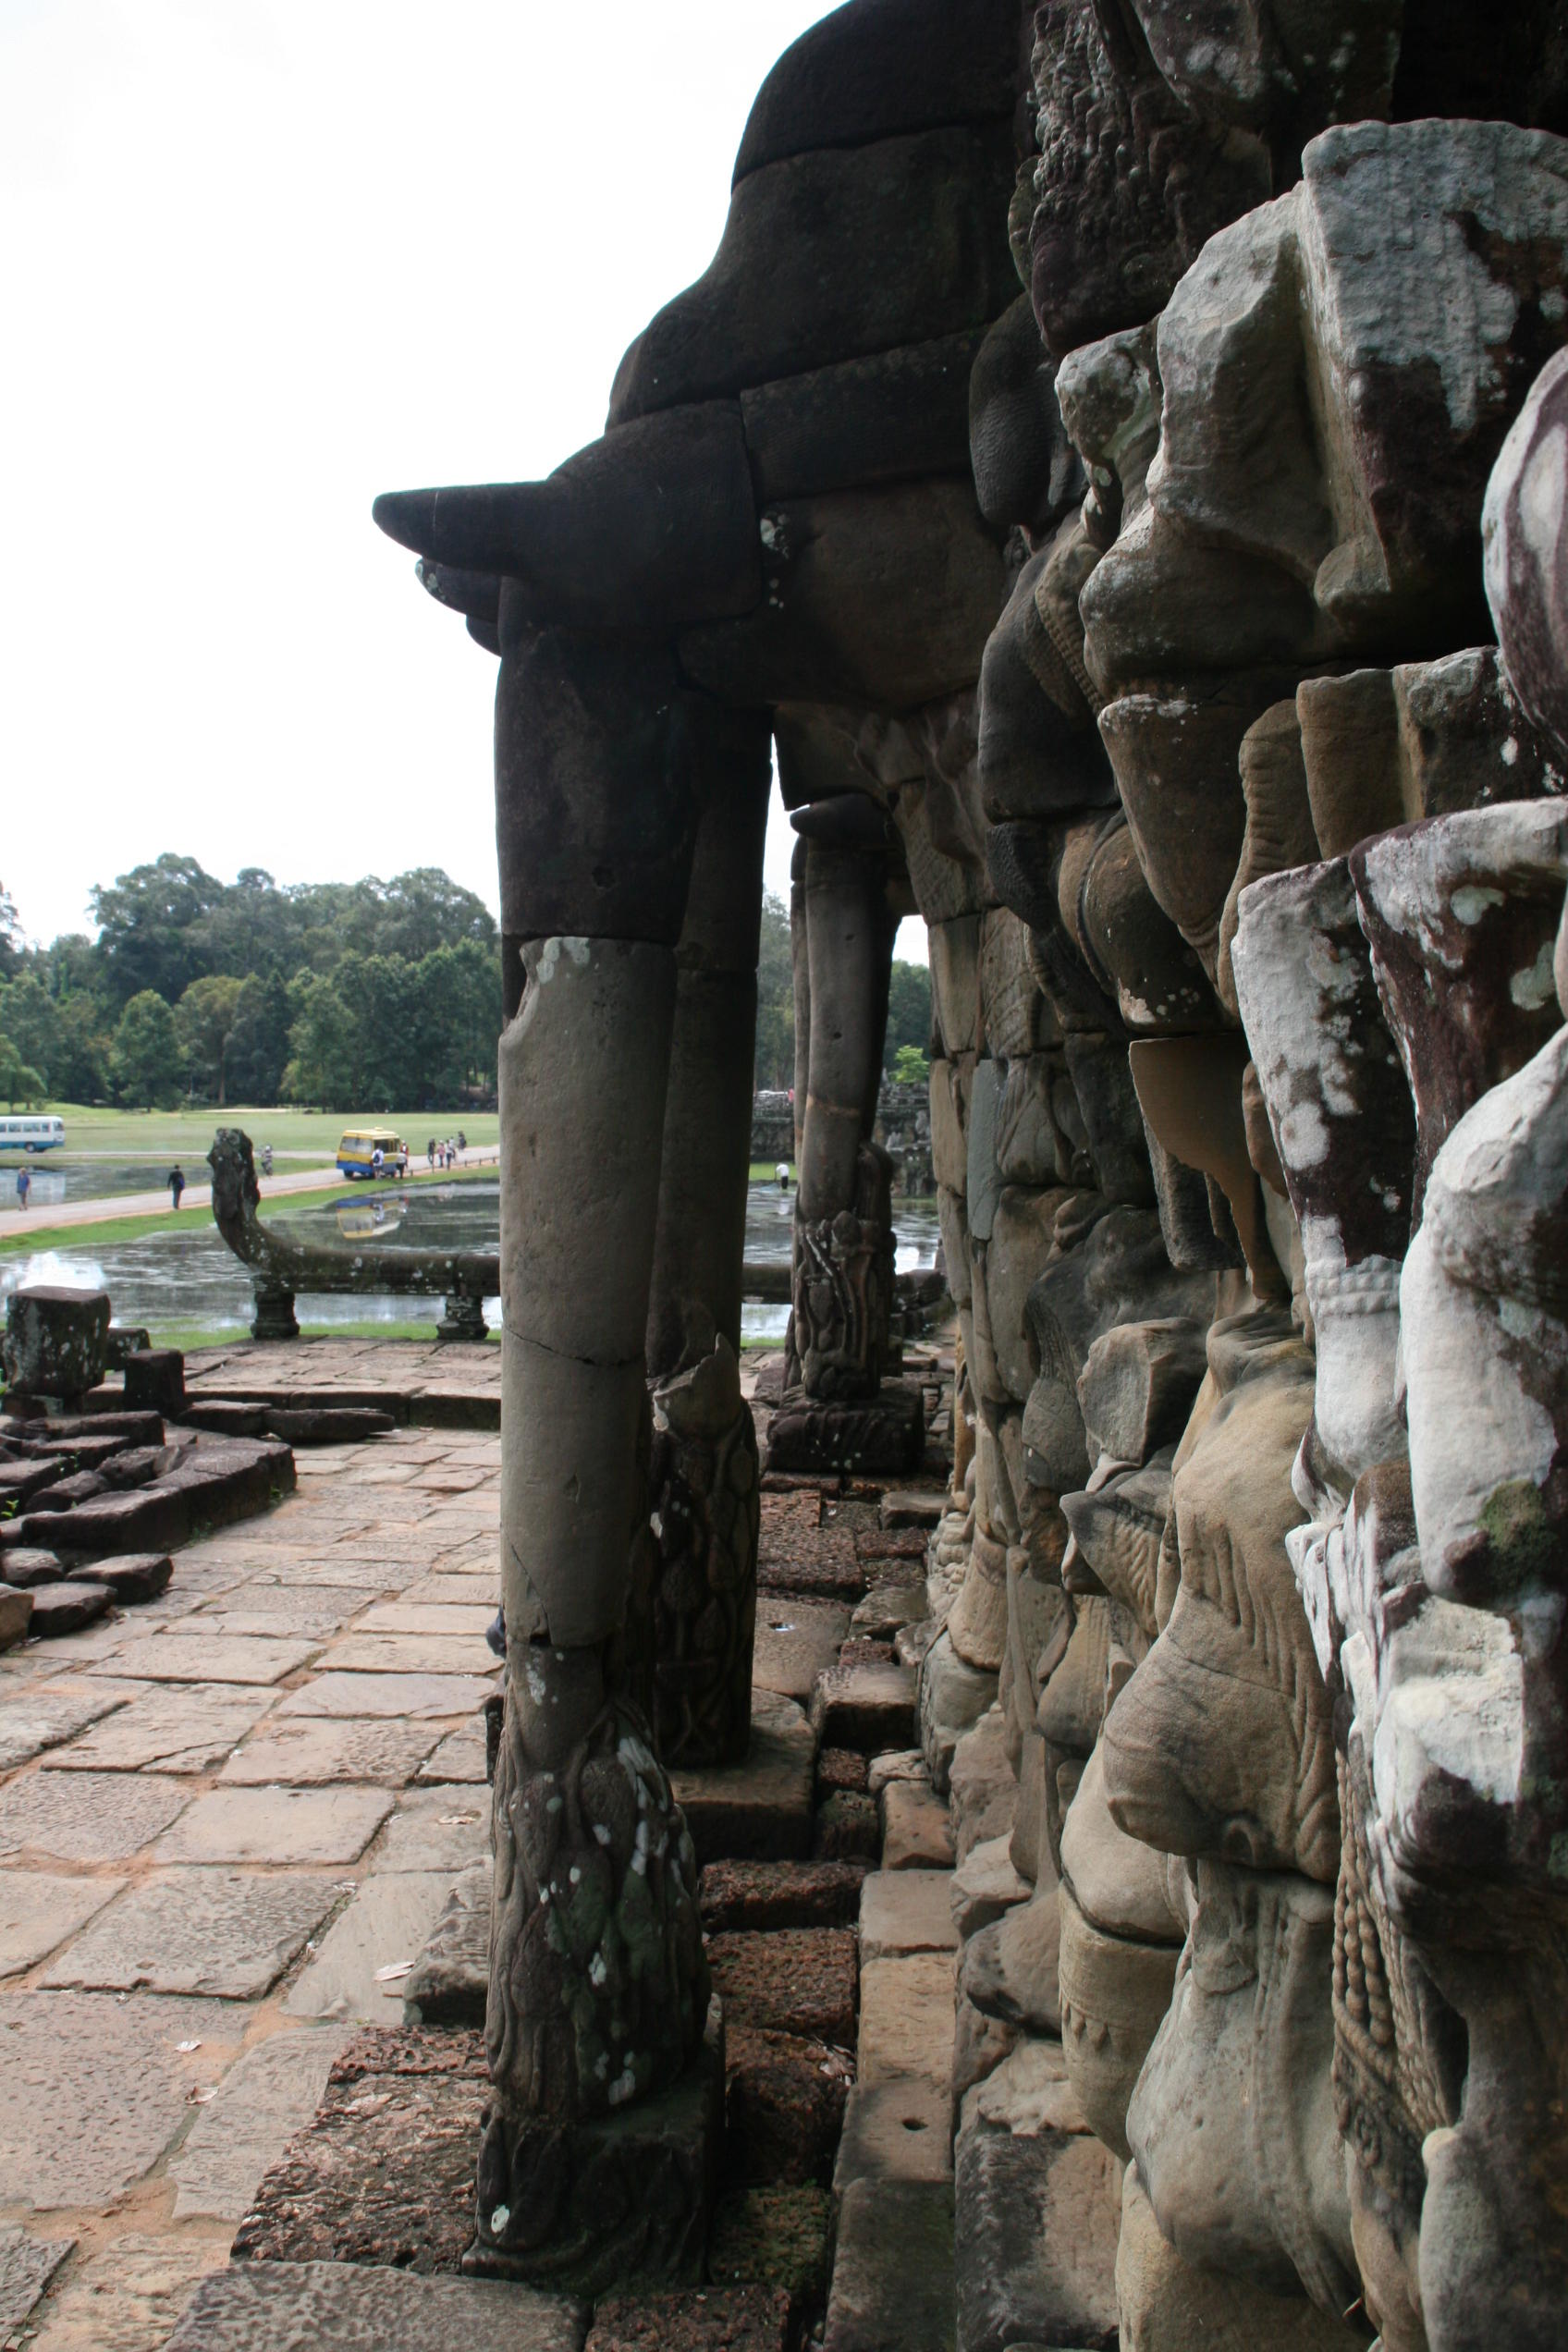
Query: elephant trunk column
{"points": [[843, 1273], [703, 1482], [598, 1988]]}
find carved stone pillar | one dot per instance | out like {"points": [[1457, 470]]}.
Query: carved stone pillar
{"points": [[703, 1473], [598, 1988]]}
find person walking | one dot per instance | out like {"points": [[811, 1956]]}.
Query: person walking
{"points": [[176, 1182], [377, 1162], [266, 1159], [462, 1141], [430, 1154], [24, 1184], [782, 1171]]}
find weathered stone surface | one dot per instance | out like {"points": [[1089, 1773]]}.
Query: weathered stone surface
{"points": [[383, 2172], [418, 1697], [784, 2104], [394, 1653], [1037, 2206], [460, 1758], [37, 1913], [384, 1929], [141, 1576], [953, 1696], [897, 413], [272, 2093], [128, 2295], [743, 2319], [55, 1340], [754, 1895], [96, 2089], [791, 286], [916, 1831], [777, 2238], [87, 1817], [985, 1885], [1165, 2304], [27, 1564], [450, 1983], [31, 1721], [27, 2265], [430, 1829], [874, 1437], [1009, 1969], [365, 2307], [981, 1786], [847, 1828], [867, 1708], [276, 1825], [906, 2019], [201, 1658], [894, 2131], [793, 1980], [839, 1771], [166, 1730], [795, 1640], [65, 1607], [303, 1751], [906, 1911], [204, 1931], [893, 2269], [16, 1614], [759, 1810]]}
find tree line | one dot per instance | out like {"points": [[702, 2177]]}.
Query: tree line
{"points": [[368, 995]]}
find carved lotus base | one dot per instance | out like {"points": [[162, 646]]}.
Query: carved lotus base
{"points": [[882, 1436], [581, 2207]]}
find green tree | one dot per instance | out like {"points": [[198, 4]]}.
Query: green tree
{"points": [[148, 935], [30, 1019], [908, 1011], [910, 1067], [10, 934], [147, 1060], [19, 1083], [258, 1051], [204, 1021], [80, 1070], [321, 1066], [776, 997]]}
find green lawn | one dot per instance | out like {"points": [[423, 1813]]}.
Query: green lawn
{"points": [[164, 1220], [310, 1134]]}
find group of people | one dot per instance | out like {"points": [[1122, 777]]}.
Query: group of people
{"points": [[445, 1153]]}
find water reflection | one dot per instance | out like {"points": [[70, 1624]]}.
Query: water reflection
{"points": [[180, 1278]]}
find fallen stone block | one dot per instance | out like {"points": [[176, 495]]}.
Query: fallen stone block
{"points": [[892, 2286], [216, 1481], [258, 2307], [793, 1980], [30, 1564], [326, 1425], [741, 1895], [16, 1615], [869, 1707], [137, 1577], [916, 1832], [886, 1608], [65, 1607], [55, 1342], [784, 2106], [906, 1911], [225, 1416], [154, 1381], [914, 1506]]}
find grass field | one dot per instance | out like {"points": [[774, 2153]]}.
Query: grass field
{"points": [[135, 1229], [303, 1134]]}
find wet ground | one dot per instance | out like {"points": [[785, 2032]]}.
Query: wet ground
{"points": [[172, 1281]]}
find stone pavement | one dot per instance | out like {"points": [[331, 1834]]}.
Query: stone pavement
{"points": [[227, 1821]]}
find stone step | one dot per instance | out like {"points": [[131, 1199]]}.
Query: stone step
{"points": [[761, 1810], [217, 1481], [736, 2319], [793, 1980], [868, 1707], [756, 1896], [893, 2269], [906, 1911]]}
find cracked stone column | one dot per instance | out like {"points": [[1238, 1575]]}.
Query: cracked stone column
{"points": [[703, 1471], [598, 1988]]}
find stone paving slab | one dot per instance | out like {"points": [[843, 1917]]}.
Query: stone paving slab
{"points": [[385, 1927], [460, 1757], [436, 1830], [167, 1729], [414, 1697], [270, 2094], [211, 1658], [31, 1720], [87, 1817], [39, 1913], [278, 1825], [274, 1611], [27, 2265], [96, 2089], [313, 1750], [905, 1911], [455, 1588], [410, 1654], [270, 2307], [795, 1641], [457, 1617], [129, 2294], [220, 1932]]}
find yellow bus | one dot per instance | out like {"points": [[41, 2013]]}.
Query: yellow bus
{"points": [[358, 1149]]}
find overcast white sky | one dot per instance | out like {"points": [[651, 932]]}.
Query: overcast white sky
{"points": [[263, 259]]}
